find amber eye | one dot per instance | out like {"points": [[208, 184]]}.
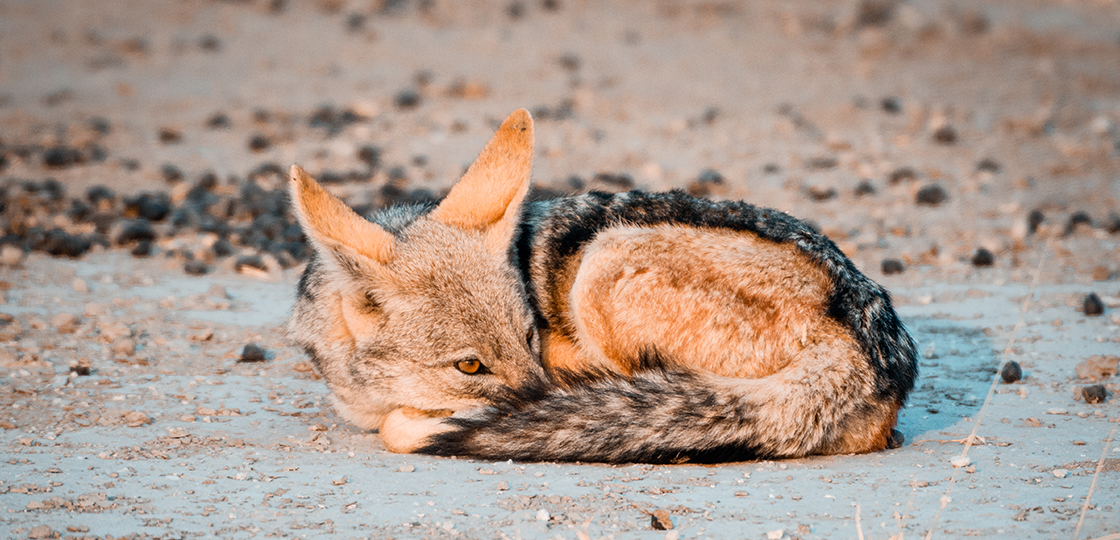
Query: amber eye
{"points": [[530, 335], [470, 366]]}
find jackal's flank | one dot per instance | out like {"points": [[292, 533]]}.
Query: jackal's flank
{"points": [[601, 327]]}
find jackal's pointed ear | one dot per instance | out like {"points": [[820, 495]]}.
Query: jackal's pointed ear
{"points": [[489, 196], [335, 229]]}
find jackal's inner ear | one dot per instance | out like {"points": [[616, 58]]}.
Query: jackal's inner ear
{"points": [[489, 196], [335, 229]]}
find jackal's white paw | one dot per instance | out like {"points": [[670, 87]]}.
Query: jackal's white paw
{"points": [[405, 430]]}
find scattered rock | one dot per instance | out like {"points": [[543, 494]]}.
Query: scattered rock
{"points": [[543, 515], [820, 193], [1060, 473], [408, 98], [42, 531], [891, 267], [169, 135], [136, 230], [252, 353], [775, 534], [407, 468], [988, 165], [1098, 367], [196, 268], [66, 323], [931, 195], [960, 461], [983, 258], [891, 105], [136, 419], [1092, 305], [1096, 393], [1034, 219], [945, 135], [1011, 372], [11, 256], [660, 520], [864, 188], [81, 367], [902, 174], [259, 142], [124, 346]]}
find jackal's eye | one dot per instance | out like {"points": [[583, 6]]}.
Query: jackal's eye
{"points": [[531, 336], [470, 366]]}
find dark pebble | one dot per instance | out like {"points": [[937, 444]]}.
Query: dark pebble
{"points": [[332, 119], [103, 221], [891, 267], [1092, 305], [142, 248], [1012, 372], [251, 261], [150, 206], [550, 5], [988, 165], [355, 22], [136, 230], [864, 188], [370, 155], [60, 243], [100, 124], [931, 195], [61, 157], [1078, 218], [702, 186], [218, 121], [891, 105], [1034, 219], [170, 135], [252, 353], [983, 258], [1112, 224], [171, 174], [407, 99], [209, 43], [259, 143], [821, 163], [515, 10], [620, 181], [130, 164], [821, 193], [97, 153], [222, 248], [1094, 394], [771, 168], [902, 174], [80, 369], [945, 135], [196, 268], [261, 116]]}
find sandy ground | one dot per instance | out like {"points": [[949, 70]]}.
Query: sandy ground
{"points": [[1007, 107]]}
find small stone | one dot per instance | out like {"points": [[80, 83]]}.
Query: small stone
{"points": [[543, 515], [864, 188], [124, 347], [142, 248], [891, 105], [196, 268], [891, 267], [945, 135], [259, 142], [79, 285], [171, 174], [660, 520], [1034, 219], [66, 323], [317, 427], [988, 165], [61, 157], [1096, 393], [252, 353], [1098, 367], [1101, 273], [11, 256], [1033, 422], [776, 534], [503, 486], [81, 367], [902, 174], [177, 433], [169, 135], [407, 468], [136, 419], [1060, 473], [983, 258], [339, 482], [407, 99], [931, 195], [1011, 372], [1092, 305], [960, 461], [41, 531], [136, 230]]}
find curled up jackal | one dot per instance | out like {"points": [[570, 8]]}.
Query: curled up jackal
{"points": [[650, 327]]}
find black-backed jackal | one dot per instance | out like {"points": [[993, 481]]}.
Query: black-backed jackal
{"points": [[602, 327]]}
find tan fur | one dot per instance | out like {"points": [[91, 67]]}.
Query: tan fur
{"points": [[330, 222], [722, 302]]}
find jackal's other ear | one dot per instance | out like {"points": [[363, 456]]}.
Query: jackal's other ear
{"points": [[489, 196], [335, 229]]}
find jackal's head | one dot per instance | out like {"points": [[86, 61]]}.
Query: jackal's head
{"points": [[430, 315]]}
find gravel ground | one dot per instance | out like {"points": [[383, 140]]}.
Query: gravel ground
{"points": [[965, 155]]}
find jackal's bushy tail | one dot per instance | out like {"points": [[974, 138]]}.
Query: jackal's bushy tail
{"points": [[672, 416]]}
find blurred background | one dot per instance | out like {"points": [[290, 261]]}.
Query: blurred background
{"points": [[919, 131]]}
